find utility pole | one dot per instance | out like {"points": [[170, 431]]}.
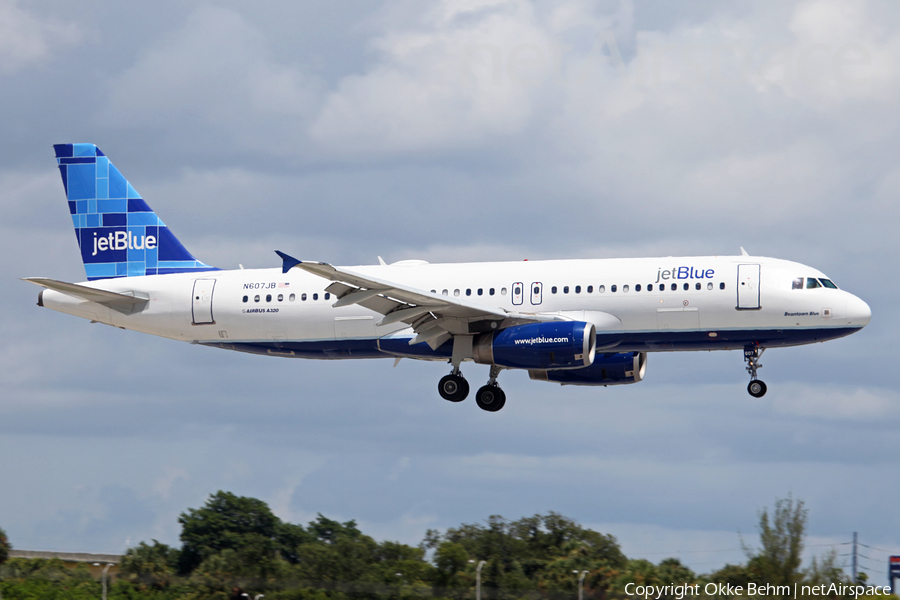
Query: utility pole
{"points": [[854, 559]]}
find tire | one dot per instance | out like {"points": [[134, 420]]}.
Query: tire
{"points": [[757, 388], [453, 388], [490, 398]]}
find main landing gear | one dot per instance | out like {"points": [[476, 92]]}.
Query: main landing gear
{"points": [[490, 397], [756, 387], [455, 388]]}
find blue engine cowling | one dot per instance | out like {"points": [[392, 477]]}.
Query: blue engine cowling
{"points": [[607, 369], [550, 346]]}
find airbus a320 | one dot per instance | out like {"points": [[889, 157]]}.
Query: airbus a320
{"points": [[573, 322]]}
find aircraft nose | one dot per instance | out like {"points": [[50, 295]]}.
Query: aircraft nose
{"points": [[858, 312]]}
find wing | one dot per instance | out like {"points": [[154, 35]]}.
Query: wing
{"points": [[434, 318], [127, 302]]}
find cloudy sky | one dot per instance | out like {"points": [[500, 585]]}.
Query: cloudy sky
{"points": [[454, 130]]}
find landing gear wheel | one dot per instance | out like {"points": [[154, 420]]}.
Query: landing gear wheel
{"points": [[757, 388], [453, 388], [752, 354], [490, 398]]}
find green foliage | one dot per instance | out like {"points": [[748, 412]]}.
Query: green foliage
{"points": [[234, 545], [5, 547], [227, 522], [778, 560], [153, 566]]}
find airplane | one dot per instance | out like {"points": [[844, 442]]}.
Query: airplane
{"points": [[588, 322]]}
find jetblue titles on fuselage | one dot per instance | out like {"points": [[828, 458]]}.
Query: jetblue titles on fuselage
{"points": [[684, 273]]}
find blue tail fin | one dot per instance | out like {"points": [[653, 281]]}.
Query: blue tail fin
{"points": [[119, 235]]}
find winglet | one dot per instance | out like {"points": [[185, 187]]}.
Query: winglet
{"points": [[289, 261]]}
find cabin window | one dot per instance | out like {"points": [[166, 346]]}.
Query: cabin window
{"points": [[491, 292], [502, 291], [268, 297], [797, 284], [709, 285], [315, 296], [590, 289], [246, 298], [577, 289], [445, 292], [327, 295], [601, 288], [722, 286], [674, 287], [456, 293], [625, 288], [303, 297], [434, 291], [468, 291], [566, 290], [292, 297], [280, 297], [553, 290], [517, 290], [637, 287], [480, 291], [697, 286], [256, 298], [828, 283], [612, 288], [649, 287]]}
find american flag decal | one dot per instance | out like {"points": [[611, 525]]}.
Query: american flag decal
{"points": [[284, 285]]}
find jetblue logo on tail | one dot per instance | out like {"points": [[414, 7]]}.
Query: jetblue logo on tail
{"points": [[119, 235], [123, 240]]}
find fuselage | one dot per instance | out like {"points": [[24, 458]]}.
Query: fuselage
{"points": [[636, 305]]}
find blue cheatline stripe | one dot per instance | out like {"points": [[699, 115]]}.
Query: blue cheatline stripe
{"points": [[631, 342]]}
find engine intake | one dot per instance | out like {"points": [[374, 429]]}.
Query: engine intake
{"points": [[607, 369], [547, 346]]}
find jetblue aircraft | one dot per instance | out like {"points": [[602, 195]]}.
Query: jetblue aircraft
{"points": [[574, 322]]}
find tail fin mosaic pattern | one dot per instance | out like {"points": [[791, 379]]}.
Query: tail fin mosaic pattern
{"points": [[119, 235]]}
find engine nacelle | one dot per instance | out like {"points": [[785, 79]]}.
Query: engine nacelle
{"points": [[607, 369], [548, 346]]}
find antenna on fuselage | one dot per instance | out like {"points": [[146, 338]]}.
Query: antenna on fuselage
{"points": [[744, 252]]}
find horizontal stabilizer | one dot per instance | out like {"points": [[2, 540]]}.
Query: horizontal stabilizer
{"points": [[126, 302]]}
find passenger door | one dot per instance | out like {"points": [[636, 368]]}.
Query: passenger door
{"points": [[201, 301], [748, 287]]}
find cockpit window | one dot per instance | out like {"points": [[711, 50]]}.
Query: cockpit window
{"points": [[828, 283], [811, 283], [798, 284]]}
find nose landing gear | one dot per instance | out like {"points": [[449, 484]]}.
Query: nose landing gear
{"points": [[757, 388]]}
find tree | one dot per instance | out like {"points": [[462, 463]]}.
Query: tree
{"points": [[227, 522], [781, 536], [150, 565], [4, 547]]}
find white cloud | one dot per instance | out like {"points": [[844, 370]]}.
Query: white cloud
{"points": [[26, 39], [215, 72], [840, 404]]}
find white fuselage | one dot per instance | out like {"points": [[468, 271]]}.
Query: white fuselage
{"points": [[722, 302]]}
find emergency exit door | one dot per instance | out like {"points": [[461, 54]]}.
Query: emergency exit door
{"points": [[201, 301], [748, 287]]}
